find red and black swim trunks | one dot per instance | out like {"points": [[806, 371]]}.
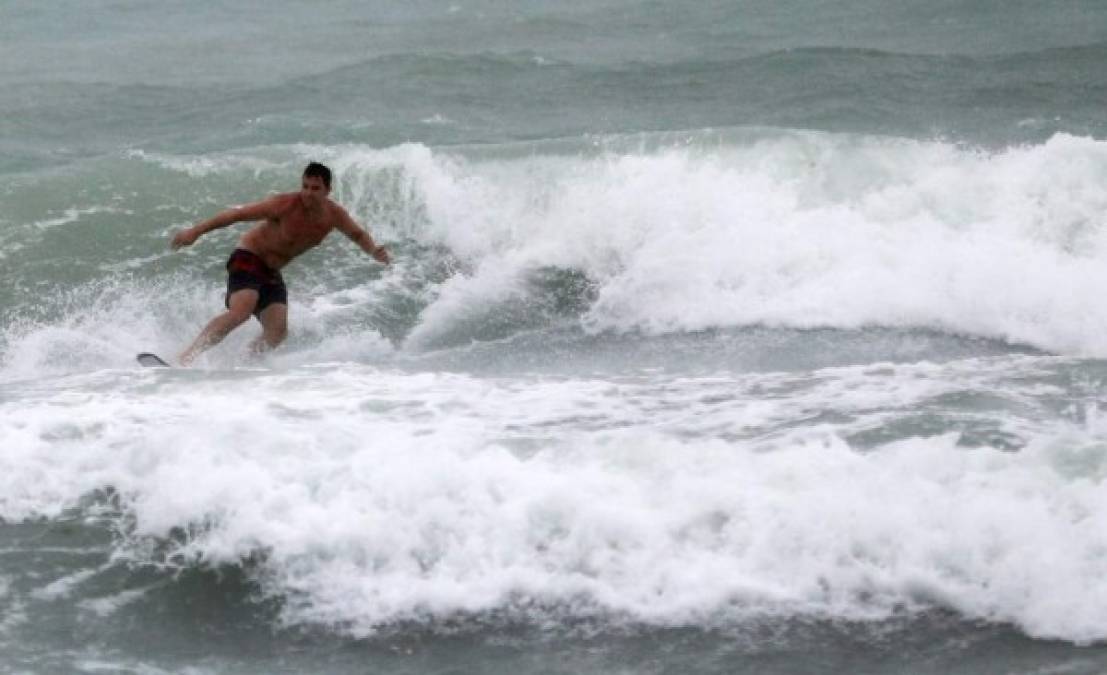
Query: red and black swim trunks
{"points": [[246, 269]]}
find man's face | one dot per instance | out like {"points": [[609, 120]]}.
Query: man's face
{"points": [[313, 191]]}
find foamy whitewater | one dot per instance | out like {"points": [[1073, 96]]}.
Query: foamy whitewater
{"points": [[715, 342]]}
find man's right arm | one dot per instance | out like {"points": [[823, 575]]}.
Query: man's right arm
{"points": [[268, 208]]}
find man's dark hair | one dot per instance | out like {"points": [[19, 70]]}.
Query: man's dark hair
{"points": [[317, 170]]}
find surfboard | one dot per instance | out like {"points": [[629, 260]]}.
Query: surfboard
{"points": [[151, 360]]}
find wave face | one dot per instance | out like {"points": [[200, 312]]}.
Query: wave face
{"points": [[796, 230], [632, 235]]}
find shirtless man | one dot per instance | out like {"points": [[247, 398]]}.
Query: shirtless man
{"points": [[291, 224]]}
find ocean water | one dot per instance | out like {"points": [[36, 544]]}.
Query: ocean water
{"points": [[722, 337]]}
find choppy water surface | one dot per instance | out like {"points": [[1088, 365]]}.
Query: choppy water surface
{"points": [[748, 337]]}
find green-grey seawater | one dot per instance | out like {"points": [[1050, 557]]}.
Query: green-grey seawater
{"points": [[722, 337]]}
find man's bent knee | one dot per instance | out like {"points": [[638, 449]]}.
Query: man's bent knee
{"points": [[236, 317], [274, 340]]}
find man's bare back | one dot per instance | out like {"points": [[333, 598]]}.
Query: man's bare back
{"points": [[291, 223]]}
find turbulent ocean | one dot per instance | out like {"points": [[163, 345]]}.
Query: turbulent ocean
{"points": [[761, 336]]}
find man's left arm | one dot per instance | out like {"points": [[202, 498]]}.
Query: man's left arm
{"points": [[346, 225]]}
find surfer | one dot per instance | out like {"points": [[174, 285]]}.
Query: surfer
{"points": [[291, 223]]}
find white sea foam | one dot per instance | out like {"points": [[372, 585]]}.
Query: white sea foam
{"points": [[108, 605], [60, 588], [797, 229], [104, 324], [378, 497], [202, 166], [73, 215], [369, 496], [772, 228]]}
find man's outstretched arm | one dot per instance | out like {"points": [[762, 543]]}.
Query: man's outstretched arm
{"points": [[256, 211], [361, 237]]}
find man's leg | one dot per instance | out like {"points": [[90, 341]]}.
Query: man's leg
{"points": [[239, 308], [274, 327]]}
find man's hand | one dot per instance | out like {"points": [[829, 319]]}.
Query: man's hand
{"points": [[185, 237], [346, 225], [380, 253]]}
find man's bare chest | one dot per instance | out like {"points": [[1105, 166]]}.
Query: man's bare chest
{"points": [[297, 228]]}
